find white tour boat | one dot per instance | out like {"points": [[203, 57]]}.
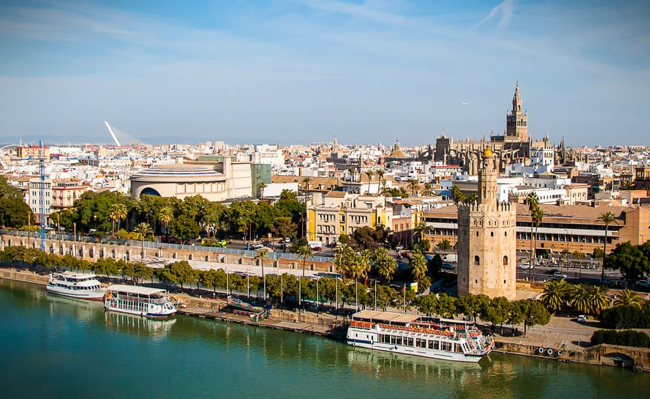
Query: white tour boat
{"points": [[413, 335], [141, 301], [76, 285]]}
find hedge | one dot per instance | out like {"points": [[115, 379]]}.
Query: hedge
{"points": [[625, 338]]}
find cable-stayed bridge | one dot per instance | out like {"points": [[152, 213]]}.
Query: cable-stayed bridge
{"points": [[120, 138]]}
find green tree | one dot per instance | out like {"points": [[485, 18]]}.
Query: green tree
{"points": [[628, 297], [498, 312], [385, 264], [580, 299], [444, 245], [304, 251], [533, 313], [457, 195], [166, 215], [143, 230], [284, 227], [386, 296], [472, 305], [555, 295], [607, 218], [599, 299], [418, 266], [427, 304], [413, 186], [447, 306], [631, 260], [428, 190]]}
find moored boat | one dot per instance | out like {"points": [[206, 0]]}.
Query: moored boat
{"points": [[417, 336], [76, 285], [141, 301]]}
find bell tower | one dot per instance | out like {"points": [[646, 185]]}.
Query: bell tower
{"points": [[517, 120]]}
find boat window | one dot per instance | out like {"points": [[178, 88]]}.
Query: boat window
{"points": [[430, 344], [421, 342], [436, 345], [408, 341], [446, 346]]}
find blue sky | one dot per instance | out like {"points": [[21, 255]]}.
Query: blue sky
{"points": [[298, 71]]}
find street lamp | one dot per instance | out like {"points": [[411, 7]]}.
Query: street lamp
{"points": [[281, 295], [248, 278], [299, 293]]}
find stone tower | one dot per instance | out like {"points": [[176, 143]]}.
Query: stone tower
{"points": [[517, 120], [487, 239]]}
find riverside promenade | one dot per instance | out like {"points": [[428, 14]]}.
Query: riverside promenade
{"points": [[567, 339]]}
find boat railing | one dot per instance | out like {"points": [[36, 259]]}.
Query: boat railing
{"points": [[445, 333]]}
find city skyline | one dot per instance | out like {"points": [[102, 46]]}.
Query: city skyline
{"points": [[303, 71]]}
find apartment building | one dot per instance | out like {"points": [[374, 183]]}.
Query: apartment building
{"points": [[330, 214]]}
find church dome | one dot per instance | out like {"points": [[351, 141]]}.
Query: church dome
{"points": [[488, 152]]}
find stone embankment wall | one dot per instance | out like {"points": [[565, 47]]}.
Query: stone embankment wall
{"points": [[602, 355], [23, 276], [93, 251]]}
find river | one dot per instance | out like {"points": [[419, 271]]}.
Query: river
{"points": [[56, 347]]}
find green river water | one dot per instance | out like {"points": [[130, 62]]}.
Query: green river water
{"points": [[57, 347]]}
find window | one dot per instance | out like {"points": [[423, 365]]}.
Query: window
{"points": [[477, 233], [477, 260], [492, 234], [505, 261]]}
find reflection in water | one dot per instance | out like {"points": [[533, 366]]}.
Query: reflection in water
{"points": [[138, 325], [57, 338]]}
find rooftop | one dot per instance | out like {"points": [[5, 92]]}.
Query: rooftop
{"points": [[134, 289]]}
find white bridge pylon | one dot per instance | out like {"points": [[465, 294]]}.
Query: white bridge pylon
{"points": [[120, 138], [117, 142]]}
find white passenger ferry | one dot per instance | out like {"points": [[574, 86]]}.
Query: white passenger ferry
{"points": [[76, 285], [413, 335], [141, 301]]}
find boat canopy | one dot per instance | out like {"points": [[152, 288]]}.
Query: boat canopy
{"points": [[133, 289], [76, 276], [385, 317]]}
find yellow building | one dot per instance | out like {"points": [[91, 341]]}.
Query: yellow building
{"points": [[334, 213]]}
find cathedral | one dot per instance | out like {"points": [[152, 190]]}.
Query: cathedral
{"points": [[514, 146], [487, 238]]}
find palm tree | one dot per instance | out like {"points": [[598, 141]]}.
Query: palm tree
{"points": [[533, 203], [413, 186], [370, 174], [116, 213], [143, 229], [386, 265], [418, 266], [261, 186], [607, 218], [380, 180], [580, 299], [263, 254], [554, 295], [304, 251], [628, 297], [166, 214], [599, 299], [428, 189], [420, 229]]}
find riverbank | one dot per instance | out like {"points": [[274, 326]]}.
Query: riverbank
{"points": [[561, 340]]}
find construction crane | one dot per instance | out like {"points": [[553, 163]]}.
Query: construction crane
{"points": [[41, 187]]}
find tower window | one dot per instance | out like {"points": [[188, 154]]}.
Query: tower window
{"points": [[505, 233], [492, 234], [504, 281], [477, 260], [505, 261], [477, 233]]}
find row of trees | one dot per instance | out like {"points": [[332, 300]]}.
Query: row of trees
{"points": [[558, 295], [280, 288], [185, 219], [498, 311]]}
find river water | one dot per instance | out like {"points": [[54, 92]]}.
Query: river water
{"points": [[57, 347]]}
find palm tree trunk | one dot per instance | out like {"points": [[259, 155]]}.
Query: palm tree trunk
{"points": [[602, 275]]}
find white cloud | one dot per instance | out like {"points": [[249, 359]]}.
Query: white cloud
{"points": [[504, 9]]}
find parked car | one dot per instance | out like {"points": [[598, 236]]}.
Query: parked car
{"points": [[256, 245], [552, 271], [524, 266], [581, 318], [643, 283], [559, 276], [448, 266]]}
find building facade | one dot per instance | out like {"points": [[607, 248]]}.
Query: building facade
{"points": [[486, 240]]}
